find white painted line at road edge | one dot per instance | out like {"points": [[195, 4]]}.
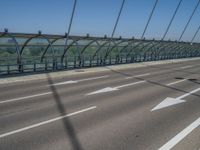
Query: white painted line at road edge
{"points": [[185, 67], [26, 97], [170, 144], [76, 81], [176, 82], [141, 75], [46, 122]]}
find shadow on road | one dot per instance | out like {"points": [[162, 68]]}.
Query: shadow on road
{"points": [[156, 83], [69, 129]]}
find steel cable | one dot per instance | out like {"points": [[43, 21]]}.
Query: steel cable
{"points": [[195, 8], [149, 19], [172, 19]]}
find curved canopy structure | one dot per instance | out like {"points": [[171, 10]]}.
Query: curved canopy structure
{"points": [[49, 52]]}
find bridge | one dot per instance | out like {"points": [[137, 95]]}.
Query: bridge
{"points": [[70, 92], [21, 52]]}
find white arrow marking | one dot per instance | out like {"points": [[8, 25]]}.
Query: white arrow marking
{"points": [[105, 90], [168, 102], [173, 101], [72, 81], [110, 89]]}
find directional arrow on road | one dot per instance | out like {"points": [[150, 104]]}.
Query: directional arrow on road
{"points": [[173, 101], [76, 81], [110, 89]]}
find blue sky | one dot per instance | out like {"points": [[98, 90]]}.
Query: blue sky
{"points": [[97, 17]]}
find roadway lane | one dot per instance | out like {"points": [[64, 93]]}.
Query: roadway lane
{"points": [[120, 119]]}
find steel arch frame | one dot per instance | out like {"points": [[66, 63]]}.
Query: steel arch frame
{"points": [[70, 45], [34, 37], [143, 47], [129, 43], [132, 48], [90, 43], [46, 49], [101, 46], [116, 44], [17, 48]]}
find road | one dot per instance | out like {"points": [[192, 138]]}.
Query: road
{"points": [[146, 108]]}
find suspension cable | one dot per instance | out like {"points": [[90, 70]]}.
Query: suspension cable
{"points": [[70, 24], [116, 23], [115, 26], [149, 19], [195, 8], [195, 34], [172, 19]]}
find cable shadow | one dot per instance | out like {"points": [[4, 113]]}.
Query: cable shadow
{"points": [[118, 72], [177, 70], [69, 129], [155, 83]]}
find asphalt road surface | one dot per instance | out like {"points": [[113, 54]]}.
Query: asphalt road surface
{"points": [[147, 108]]}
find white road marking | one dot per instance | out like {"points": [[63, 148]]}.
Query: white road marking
{"points": [[168, 102], [141, 75], [125, 85], [187, 94], [63, 83], [185, 67], [170, 144], [45, 122], [173, 101], [177, 82], [26, 97], [106, 76], [110, 89], [76, 81]]}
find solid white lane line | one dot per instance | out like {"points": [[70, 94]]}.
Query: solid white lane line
{"points": [[95, 78], [76, 81], [170, 144], [176, 82], [185, 67], [63, 83], [26, 97], [125, 85], [185, 95], [45, 122], [141, 75]]}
